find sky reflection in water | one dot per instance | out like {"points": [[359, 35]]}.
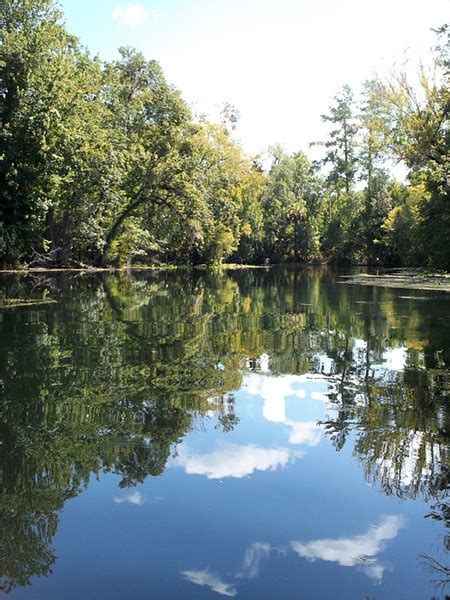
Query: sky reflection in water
{"points": [[256, 434]]}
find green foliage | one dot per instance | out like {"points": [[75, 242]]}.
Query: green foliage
{"points": [[250, 249], [103, 163], [435, 226], [415, 118], [401, 229], [341, 145], [57, 157], [292, 208]]}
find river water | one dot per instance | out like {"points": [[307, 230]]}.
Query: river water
{"points": [[258, 433]]}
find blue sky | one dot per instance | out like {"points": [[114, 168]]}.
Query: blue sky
{"points": [[278, 61]]}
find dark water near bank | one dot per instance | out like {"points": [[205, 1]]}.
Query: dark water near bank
{"points": [[256, 434]]}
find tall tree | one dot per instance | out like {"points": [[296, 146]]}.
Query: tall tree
{"points": [[57, 156], [292, 208], [416, 127], [377, 200], [341, 145]]}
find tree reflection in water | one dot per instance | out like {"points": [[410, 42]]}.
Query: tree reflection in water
{"points": [[113, 376]]}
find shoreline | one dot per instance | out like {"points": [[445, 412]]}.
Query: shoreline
{"points": [[400, 278], [232, 266], [405, 279]]}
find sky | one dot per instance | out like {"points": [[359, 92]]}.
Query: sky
{"points": [[279, 62]]}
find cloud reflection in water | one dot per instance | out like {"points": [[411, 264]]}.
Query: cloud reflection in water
{"points": [[233, 460], [207, 578], [133, 498], [360, 550]]}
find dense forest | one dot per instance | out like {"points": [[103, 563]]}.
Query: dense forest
{"points": [[103, 163]]}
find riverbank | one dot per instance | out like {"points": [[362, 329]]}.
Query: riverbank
{"points": [[404, 279], [88, 269]]}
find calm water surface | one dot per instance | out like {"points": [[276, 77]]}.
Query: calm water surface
{"points": [[255, 434]]}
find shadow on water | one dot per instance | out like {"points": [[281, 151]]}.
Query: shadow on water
{"points": [[114, 374]]}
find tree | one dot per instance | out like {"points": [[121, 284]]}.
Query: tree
{"points": [[416, 131], [292, 208], [58, 163], [222, 171], [152, 123], [179, 196], [341, 228], [33, 43], [252, 217], [377, 200], [103, 162], [341, 145], [401, 228]]}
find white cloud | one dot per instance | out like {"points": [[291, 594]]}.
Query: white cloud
{"points": [[322, 396], [308, 433], [274, 391], [212, 581], [132, 15], [252, 559], [133, 498], [360, 550], [233, 460]]}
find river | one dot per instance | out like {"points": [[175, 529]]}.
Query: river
{"points": [[255, 433]]}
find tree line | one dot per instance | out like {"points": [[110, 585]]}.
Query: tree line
{"points": [[103, 163]]}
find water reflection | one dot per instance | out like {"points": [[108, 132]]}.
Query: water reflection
{"points": [[274, 391], [253, 557], [114, 375], [135, 498], [360, 550], [234, 461], [210, 580]]}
